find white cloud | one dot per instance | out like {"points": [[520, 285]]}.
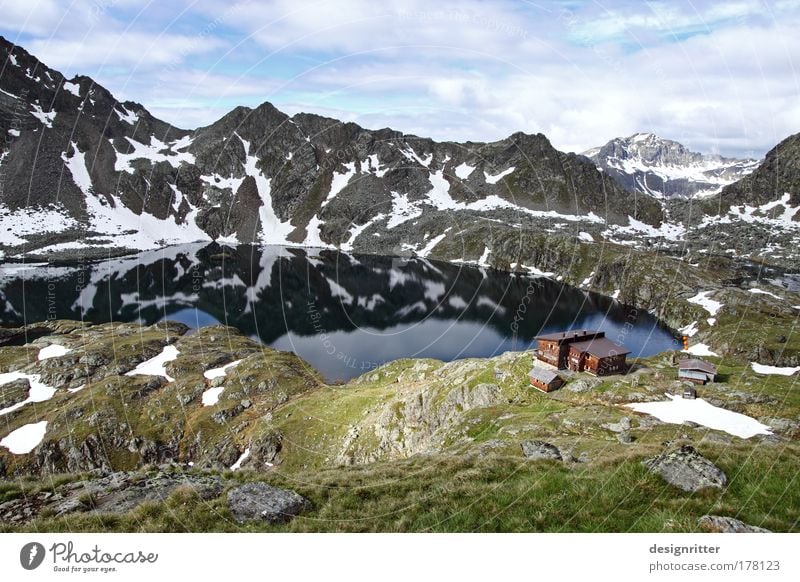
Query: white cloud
{"points": [[35, 17], [455, 70], [145, 50]]}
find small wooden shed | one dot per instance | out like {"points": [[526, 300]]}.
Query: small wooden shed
{"points": [[545, 380], [697, 371]]}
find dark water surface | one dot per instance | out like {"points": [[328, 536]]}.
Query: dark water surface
{"points": [[344, 314]]}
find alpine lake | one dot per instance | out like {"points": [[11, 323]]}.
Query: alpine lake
{"points": [[344, 314]]}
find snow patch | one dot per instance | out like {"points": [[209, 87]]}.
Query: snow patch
{"points": [[155, 151], [483, 261], [39, 392], [24, 439], [679, 410], [273, 230], [45, 117], [402, 210], [426, 250], [764, 369], [700, 350], [221, 371], [53, 351], [635, 227], [137, 231], [155, 365], [497, 177], [703, 300], [73, 88], [357, 229], [374, 164], [464, 170], [16, 225], [757, 291], [412, 155], [241, 459], [339, 181], [126, 116], [211, 396]]}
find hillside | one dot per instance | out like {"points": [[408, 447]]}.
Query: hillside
{"points": [[163, 451]]}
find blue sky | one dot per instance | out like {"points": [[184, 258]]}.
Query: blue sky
{"points": [[718, 76]]}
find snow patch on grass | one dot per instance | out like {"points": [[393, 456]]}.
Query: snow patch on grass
{"points": [[53, 351], [779, 371], [219, 372], [700, 350], [679, 410], [703, 300], [211, 396], [155, 366], [757, 291], [39, 392], [26, 438]]}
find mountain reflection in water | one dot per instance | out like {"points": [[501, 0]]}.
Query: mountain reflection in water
{"points": [[344, 314]]}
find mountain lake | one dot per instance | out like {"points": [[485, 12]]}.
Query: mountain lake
{"points": [[344, 314]]}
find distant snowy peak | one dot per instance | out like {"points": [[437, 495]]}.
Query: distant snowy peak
{"points": [[663, 168]]}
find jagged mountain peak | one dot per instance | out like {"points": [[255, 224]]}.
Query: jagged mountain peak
{"points": [[661, 167]]}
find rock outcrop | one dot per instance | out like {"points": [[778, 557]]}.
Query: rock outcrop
{"points": [[537, 450], [687, 469], [262, 502]]}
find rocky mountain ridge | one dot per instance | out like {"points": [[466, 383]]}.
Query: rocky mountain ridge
{"points": [[85, 171]]}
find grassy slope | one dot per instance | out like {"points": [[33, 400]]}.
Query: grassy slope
{"points": [[497, 493], [499, 490]]}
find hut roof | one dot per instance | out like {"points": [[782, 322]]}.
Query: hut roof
{"points": [[695, 364], [601, 347], [562, 336], [542, 375]]}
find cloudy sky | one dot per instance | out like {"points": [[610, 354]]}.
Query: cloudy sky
{"points": [[717, 76]]}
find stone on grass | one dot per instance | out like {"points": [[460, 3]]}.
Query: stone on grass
{"points": [[540, 450], [723, 524], [262, 502], [687, 469]]}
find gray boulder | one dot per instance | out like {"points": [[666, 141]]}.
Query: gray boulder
{"points": [[536, 450], [723, 524], [687, 469], [583, 384], [262, 502], [14, 392]]}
